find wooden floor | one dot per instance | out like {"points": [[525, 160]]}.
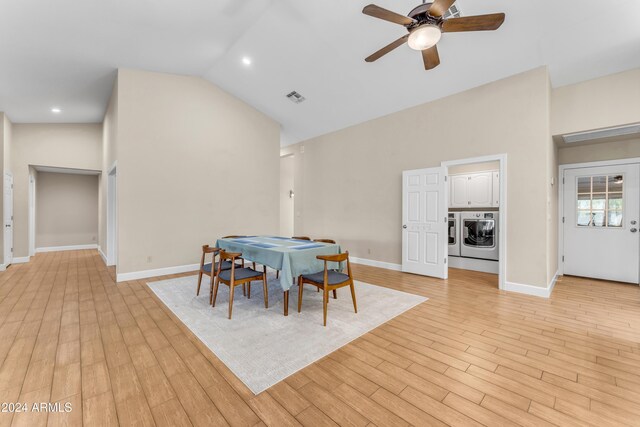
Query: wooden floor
{"points": [[471, 355]]}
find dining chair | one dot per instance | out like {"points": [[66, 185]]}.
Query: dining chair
{"points": [[328, 280], [210, 269], [237, 276], [301, 238], [325, 241]]}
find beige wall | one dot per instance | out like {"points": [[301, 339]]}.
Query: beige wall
{"points": [[194, 163], [612, 150], [355, 196], [608, 101], [77, 146], [551, 182], [66, 209]]}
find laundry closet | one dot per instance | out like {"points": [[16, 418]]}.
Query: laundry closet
{"points": [[474, 206]]}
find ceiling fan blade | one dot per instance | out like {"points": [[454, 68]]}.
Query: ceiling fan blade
{"points": [[388, 48], [440, 7], [387, 15], [431, 58], [473, 23]]}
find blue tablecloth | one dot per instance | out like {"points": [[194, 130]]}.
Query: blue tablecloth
{"points": [[292, 257]]}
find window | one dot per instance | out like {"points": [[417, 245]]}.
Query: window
{"points": [[600, 202]]}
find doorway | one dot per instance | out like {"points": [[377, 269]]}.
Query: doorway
{"points": [[8, 219], [287, 206], [600, 211], [426, 223], [112, 216]]}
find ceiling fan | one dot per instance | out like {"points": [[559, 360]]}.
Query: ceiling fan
{"points": [[425, 24]]}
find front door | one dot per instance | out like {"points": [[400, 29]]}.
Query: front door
{"points": [[8, 219], [601, 210], [424, 222]]}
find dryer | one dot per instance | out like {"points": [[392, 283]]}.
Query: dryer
{"points": [[479, 235], [454, 233]]}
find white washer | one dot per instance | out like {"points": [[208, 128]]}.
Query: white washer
{"points": [[479, 235], [454, 233]]}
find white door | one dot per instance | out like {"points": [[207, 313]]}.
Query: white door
{"points": [[424, 217], [480, 190], [459, 191], [601, 210], [286, 196], [8, 219]]}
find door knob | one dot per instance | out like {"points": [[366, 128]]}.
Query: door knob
{"points": [[404, 226], [633, 230]]}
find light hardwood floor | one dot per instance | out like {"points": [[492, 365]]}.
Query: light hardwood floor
{"points": [[471, 355]]}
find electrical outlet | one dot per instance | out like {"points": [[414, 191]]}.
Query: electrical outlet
{"points": [[369, 251], [149, 259]]}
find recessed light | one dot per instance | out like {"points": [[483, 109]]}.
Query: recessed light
{"points": [[56, 110], [246, 60]]}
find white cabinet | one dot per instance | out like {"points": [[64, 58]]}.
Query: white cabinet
{"points": [[459, 192], [475, 190]]}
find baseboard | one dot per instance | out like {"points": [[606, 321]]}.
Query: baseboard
{"points": [[104, 257], [553, 282], [135, 275], [482, 265], [20, 260], [374, 263], [3, 267], [66, 248], [532, 290]]}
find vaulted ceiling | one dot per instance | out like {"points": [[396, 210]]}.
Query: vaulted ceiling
{"points": [[65, 52]]}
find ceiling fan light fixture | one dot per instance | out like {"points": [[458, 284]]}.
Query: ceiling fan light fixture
{"points": [[424, 37]]}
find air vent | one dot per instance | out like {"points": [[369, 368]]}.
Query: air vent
{"points": [[572, 138], [453, 12], [295, 97]]}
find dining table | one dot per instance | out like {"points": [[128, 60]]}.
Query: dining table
{"points": [[292, 257]]}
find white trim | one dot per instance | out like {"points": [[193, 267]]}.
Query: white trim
{"points": [[112, 215], [32, 213], [561, 170], [502, 213], [66, 248], [135, 275], [21, 260], [482, 265], [3, 267], [533, 290], [104, 257], [536, 291], [374, 263]]}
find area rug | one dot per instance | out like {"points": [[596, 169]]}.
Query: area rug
{"points": [[261, 346]]}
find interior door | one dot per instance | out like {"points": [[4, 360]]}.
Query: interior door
{"points": [[425, 224], [8, 219], [601, 210]]}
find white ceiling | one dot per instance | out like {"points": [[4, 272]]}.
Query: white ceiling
{"points": [[65, 53]]}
